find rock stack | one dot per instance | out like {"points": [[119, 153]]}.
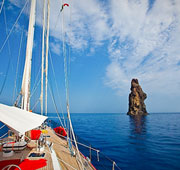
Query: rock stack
{"points": [[136, 99]]}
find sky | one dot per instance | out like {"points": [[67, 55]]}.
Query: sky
{"points": [[108, 42]]}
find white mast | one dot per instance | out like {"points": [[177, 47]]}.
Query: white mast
{"points": [[47, 49], [25, 89], [42, 66]]}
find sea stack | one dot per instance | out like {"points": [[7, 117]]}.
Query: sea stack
{"points": [[136, 99]]}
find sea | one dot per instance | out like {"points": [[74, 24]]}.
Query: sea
{"points": [[151, 142]]}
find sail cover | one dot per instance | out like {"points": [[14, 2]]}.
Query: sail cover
{"points": [[20, 120]]}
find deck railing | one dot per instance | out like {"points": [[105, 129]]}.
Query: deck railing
{"points": [[99, 160]]}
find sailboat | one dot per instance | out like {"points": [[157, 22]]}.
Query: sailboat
{"points": [[30, 142]]}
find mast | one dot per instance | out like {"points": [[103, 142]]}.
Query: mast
{"points": [[25, 88], [42, 66], [47, 49]]}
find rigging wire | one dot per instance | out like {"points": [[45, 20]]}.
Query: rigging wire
{"points": [[13, 26], [35, 104], [3, 135], [17, 67], [34, 89], [4, 82], [54, 72], [9, 49], [78, 157], [66, 76], [56, 86], [36, 82], [17, 100], [2, 6], [57, 20], [2, 126], [69, 47], [52, 95]]}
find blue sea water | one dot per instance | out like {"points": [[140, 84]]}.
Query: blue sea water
{"points": [[134, 143]]}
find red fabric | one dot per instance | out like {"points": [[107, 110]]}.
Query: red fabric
{"points": [[60, 130], [66, 5], [26, 164], [9, 162], [32, 164], [35, 134]]}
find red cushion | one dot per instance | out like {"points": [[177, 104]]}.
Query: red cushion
{"points": [[35, 134]]}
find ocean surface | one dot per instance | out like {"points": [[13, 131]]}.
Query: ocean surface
{"points": [[139, 143], [142, 143]]}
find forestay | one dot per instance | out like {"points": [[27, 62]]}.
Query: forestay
{"points": [[20, 120]]}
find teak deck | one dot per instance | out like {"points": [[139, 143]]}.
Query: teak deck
{"points": [[59, 145]]}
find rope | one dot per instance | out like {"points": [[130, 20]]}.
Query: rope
{"points": [[70, 146], [13, 26], [2, 6]]}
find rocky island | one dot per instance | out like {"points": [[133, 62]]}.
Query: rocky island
{"points": [[136, 99]]}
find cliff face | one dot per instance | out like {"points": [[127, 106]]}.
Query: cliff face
{"points": [[136, 99]]}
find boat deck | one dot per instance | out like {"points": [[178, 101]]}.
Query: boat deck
{"points": [[59, 145]]}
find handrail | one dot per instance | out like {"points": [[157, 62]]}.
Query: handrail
{"points": [[79, 143], [96, 150]]}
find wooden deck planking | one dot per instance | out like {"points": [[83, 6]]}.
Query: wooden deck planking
{"points": [[66, 160], [62, 151]]}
